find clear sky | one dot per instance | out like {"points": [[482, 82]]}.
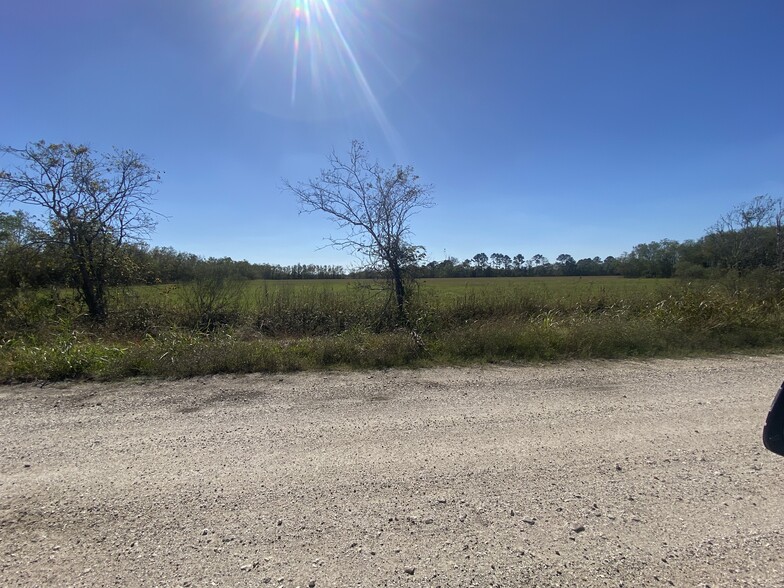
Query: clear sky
{"points": [[548, 126]]}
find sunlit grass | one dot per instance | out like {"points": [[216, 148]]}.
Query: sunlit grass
{"points": [[294, 325]]}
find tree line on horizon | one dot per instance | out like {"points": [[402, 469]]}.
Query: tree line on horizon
{"points": [[746, 239], [97, 218]]}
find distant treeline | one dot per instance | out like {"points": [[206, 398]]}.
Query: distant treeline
{"points": [[713, 255], [748, 238], [26, 260]]}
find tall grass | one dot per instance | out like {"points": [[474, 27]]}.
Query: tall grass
{"points": [[235, 327]]}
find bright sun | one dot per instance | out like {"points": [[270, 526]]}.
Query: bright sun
{"points": [[317, 35], [329, 56]]}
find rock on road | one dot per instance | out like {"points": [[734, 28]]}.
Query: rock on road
{"points": [[628, 473]]}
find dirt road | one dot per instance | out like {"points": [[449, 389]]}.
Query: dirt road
{"points": [[578, 474]]}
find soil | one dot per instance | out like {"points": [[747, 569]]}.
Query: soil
{"points": [[629, 473]]}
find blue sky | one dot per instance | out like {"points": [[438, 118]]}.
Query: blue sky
{"points": [[580, 127]]}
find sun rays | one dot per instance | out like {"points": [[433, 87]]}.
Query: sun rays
{"points": [[327, 46]]}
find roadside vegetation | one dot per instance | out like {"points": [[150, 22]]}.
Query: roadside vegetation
{"points": [[169, 331], [83, 296]]}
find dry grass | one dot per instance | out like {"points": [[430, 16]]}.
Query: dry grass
{"points": [[232, 327]]}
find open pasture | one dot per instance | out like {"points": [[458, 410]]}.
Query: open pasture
{"points": [[562, 289]]}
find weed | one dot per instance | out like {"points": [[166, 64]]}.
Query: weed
{"points": [[229, 327]]}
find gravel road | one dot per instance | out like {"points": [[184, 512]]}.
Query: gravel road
{"points": [[647, 473]]}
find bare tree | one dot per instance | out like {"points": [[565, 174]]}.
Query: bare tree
{"points": [[373, 207], [93, 204]]}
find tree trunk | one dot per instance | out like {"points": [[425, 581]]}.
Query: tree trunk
{"points": [[92, 292], [91, 276], [96, 305], [400, 290]]}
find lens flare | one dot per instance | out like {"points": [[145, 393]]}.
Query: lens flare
{"points": [[299, 10], [330, 46]]}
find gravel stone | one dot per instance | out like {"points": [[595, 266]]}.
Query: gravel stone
{"points": [[183, 466], [577, 528]]}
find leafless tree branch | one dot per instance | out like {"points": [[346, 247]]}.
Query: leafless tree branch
{"points": [[93, 204], [373, 207]]}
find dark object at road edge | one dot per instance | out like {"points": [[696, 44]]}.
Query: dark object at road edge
{"points": [[773, 432]]}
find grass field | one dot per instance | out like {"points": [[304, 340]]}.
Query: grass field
{"points": [[216, 325], [563, 285], [548, 291]]}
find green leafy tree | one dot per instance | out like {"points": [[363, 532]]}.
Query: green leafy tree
{"points": [[22, 262], [566, 263], [481, 261], [538, 261], [501, 261], [588, 266], [656, 259]]}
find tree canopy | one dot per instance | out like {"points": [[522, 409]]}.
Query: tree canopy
{"points": [[93, 204]]}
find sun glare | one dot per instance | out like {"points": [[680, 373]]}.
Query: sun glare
{"points": [[330, 47]]}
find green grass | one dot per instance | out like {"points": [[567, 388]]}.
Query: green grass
{"points": [[569, 286], [160, 331], [575, 287]]}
